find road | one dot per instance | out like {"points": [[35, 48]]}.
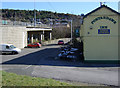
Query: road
{"points": [[42, 62]]}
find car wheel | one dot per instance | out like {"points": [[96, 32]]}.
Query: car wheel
{"points": [[29, 47], [0, 53], [38, 47]]}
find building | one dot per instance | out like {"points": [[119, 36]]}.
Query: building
{"points": [[20, 36], [100, 33]]}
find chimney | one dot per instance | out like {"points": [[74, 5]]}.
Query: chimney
{"points": [[101, 3]]}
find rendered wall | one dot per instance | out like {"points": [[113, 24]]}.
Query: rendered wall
{"points": [[100, 46], [119, 38], [14, 35]]}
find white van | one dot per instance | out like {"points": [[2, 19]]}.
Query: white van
{"points": [[9, 48]]}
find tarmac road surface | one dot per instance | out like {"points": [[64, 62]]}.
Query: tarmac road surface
{"points": [[42, 62]]}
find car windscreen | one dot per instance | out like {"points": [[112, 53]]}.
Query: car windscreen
{"points": [[12, 47], [60, 41]]}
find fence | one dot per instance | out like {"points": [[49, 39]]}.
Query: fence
{"points": [[19, 23]]}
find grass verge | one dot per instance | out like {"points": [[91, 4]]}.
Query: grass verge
{"points": [[12, 79]]}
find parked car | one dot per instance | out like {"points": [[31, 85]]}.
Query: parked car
{"points": [[9, 48], [34, 45], [60, 42]]}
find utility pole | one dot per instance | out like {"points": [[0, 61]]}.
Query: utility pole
{"points": [[119, 6], [34, 15], [14, 21], [71, 31]]}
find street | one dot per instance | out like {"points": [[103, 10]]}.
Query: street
{"points": [[43, 62]]}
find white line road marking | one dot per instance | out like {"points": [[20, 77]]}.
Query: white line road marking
{"points": [[27, 67]]}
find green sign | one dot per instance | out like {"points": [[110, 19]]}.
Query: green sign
{"points": [[104, 17], [4, 22], [77, 33]]}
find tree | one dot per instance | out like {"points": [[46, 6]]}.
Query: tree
{"points": [[61, 32]]}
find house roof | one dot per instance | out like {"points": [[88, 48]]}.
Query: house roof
{"points": [[100, 8]]}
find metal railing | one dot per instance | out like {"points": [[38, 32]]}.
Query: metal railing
{"points": [[19, 23]]}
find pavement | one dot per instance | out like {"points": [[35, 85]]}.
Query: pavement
{"points": [[43, 62]]}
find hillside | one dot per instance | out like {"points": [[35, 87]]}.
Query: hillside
{"points": [[57, 21], [41, 16]]}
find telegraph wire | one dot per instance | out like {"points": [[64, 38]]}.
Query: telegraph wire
{"points": [[49, 3]]}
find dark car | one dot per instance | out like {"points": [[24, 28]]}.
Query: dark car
{"points": [[34, 45], [60, 42]]}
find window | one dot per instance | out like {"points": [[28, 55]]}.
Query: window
{"points": [[7, 47], [12, 47]]}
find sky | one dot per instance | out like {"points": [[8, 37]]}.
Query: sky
{"points": [[76, 8]]}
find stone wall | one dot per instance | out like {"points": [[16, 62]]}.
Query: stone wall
{"points": [[56, 41]]}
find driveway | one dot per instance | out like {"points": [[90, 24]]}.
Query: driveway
{"points": [[42, 62]]}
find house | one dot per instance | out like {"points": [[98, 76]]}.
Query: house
{"points": [[100, 33]]}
